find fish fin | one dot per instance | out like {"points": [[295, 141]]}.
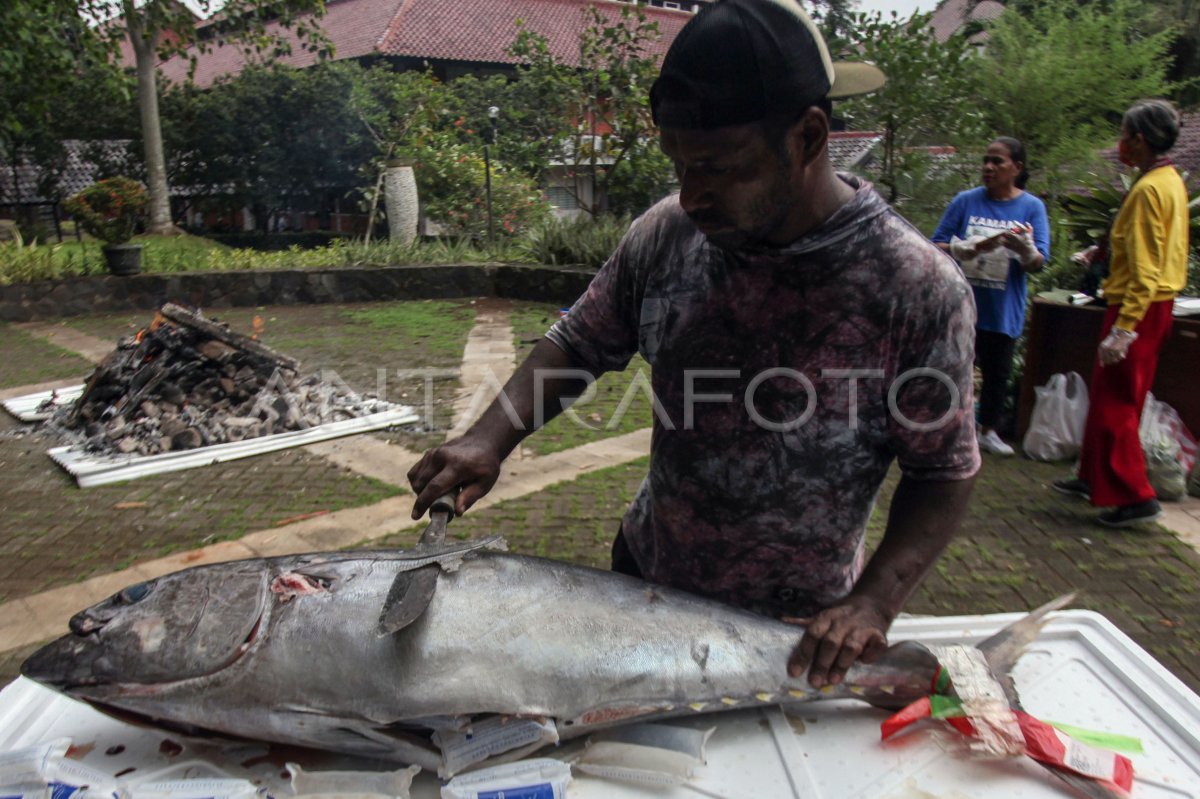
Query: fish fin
{"points": [[1003, 649], [407, 599], [366, 740], [904, 673]]}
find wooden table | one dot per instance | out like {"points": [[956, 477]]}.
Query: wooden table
{"points": [[1063, 338]]}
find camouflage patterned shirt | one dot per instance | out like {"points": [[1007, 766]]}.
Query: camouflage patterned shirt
{"points": [[787, 387]]}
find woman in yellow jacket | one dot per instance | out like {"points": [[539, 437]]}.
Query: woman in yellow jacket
{"points": [[1147, 268]]}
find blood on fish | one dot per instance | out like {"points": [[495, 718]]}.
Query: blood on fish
{"points": [[293, 584], [170, 748], [80, 751]]}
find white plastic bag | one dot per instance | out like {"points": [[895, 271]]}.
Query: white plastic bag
{"points": [[1169, 449], [1056, 428]]}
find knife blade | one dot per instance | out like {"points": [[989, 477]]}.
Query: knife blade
{"points": [[412, 590]]}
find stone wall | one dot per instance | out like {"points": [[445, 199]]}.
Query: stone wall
{"points": [[104, 293]]}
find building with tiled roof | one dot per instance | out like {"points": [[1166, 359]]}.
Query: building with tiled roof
{"points": [[952, 16], [849, 150], [26, 191], [452, 36], [84, 163]]}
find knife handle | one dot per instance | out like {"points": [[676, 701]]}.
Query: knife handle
{"points": [[445, 504]]}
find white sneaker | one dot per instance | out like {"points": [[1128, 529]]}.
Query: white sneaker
{"points": [[990, 442]]}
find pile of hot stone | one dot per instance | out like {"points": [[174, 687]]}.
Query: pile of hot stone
{"points": [[186, 382]]}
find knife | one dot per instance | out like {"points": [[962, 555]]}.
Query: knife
{"points": [[412, 590]]}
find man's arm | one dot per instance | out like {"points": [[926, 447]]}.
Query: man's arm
{"points": [[472, 461], [925, 515]]}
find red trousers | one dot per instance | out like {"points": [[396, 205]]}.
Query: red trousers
{"points": [[1112, 462]]}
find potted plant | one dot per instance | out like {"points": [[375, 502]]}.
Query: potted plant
{"points": [[110, 210]]}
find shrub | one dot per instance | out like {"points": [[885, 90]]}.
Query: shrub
{"points": [[582, 240], [451, 183], [109, 209], [25, 263], [1089, 214]]}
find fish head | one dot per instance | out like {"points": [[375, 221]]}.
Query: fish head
{"points": [[179, 627]]}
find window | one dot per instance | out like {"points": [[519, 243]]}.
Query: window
{"points": [[562, 197]]}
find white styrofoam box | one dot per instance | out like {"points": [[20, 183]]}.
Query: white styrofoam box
{"points": [[1082, 670]]}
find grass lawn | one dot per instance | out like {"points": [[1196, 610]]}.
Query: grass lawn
{"points": [[30, 359], [600, 417], [574, 520]]}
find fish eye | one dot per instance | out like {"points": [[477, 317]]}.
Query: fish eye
{"points": [[134, 593]]}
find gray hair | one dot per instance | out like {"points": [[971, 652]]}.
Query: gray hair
{"points": [[1156, 120]]}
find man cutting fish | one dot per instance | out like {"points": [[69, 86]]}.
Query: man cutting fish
{"points": [[801, 336]]}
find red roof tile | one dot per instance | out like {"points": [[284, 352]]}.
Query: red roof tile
{"points": [[848, 148], [451, 30], [951, 16], [1186, 152]]}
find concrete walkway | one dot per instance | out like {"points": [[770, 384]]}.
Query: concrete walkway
{"points": [[1183, 518], [489, 359], [90, 347]]}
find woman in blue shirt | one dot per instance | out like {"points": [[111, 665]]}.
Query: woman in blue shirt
{"points": [[997, 232]]}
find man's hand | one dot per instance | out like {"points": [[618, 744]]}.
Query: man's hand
{"points": [[461, 463], [924, 516], [1115, 346], [836, 638], [472, 462]]}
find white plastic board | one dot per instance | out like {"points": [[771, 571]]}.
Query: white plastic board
{"points": [[25, 407], [90, 469], [1082, 671], [93, 470]]}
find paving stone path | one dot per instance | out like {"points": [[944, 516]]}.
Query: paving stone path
{"points": [[1022, 544]]}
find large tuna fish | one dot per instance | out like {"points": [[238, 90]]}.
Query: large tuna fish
{"points": [[291, 649]]}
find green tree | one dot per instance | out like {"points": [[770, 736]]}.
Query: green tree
{"points": [[1059, 74], [931, 95], [1182, 17], [56, 82], [593, 115], [836, 17], [450, 179], [397, 110], [160, 29], [271, 138]]}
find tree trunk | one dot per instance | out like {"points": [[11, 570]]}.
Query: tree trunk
{"points": [[145, 46]]}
